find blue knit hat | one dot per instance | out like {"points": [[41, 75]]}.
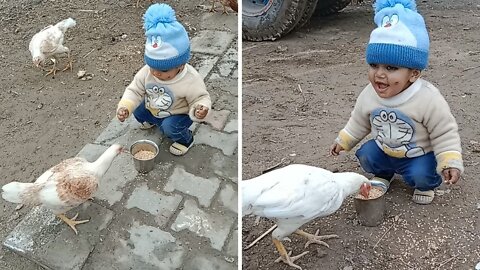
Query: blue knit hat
{"points": [[167, 45], [401, 37]]}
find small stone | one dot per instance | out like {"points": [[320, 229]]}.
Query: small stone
{"points": [[81, 73], [18, 207], [230, 259]]}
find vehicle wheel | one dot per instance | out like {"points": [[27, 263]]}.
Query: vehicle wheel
{"points": [[328, 7], [270, 19], [307, 14]]}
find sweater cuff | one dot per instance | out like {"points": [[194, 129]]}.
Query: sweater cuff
{"points": [[345, 140], [127, 104], [450, 159]]}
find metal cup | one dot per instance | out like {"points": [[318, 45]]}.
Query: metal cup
{"points": [[371, 212], [142, 165]]}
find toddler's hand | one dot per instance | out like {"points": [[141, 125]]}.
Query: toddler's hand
{"points": [[201, 111], [122, 114], [335, 149], [451, 175]]}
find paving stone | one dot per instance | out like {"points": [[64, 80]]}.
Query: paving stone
{"points": [[225, 68], [205, 64], [208, 263], [201, 188], [231, 126], [217, 119], [211, 42], [226, 167], [157, 204], [118, 175], [228, 198], [212, 226], [226, 102], [215, 76], [219, 21], [223, 141], [232, 246], [157, 247], [140, 247], [127, 132], [49, 242]]}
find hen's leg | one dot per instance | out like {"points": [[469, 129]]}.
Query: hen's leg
{"points": [[315, 239], [212, 9], [70, 62], [72, 222], [284, 256], [54, 68]]}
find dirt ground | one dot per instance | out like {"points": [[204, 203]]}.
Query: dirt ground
{"points": [[326, 60], [45, 120]]}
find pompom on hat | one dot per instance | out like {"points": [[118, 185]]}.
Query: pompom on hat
{"points": [[401, 37], [167, 45]]}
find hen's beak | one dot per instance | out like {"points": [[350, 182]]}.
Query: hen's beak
{"points": [[365, 189]]}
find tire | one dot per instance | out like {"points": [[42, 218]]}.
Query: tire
{"points": [[329, 7], [307, 14], [270, 19]]}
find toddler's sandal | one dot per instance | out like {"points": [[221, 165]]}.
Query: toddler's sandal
{"points": [[146, 125], [423, 197], [179, 149]]}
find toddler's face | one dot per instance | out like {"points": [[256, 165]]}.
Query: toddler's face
{"points": [[166, 75], [388, 81]]}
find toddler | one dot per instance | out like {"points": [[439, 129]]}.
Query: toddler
{"points": [[167, 92], [414, 133]]}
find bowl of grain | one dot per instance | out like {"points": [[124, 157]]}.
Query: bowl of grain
{"points": [[371, 210], [144, 153]]}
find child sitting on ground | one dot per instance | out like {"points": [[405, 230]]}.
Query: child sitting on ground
{"points": [[167, 92], [414, 133]]}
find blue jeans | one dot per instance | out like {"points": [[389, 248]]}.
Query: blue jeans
{"points": [[419, 172], [175, 127]]}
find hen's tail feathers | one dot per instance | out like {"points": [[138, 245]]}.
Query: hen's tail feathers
{"points": [[65, 24], [13, 191]]}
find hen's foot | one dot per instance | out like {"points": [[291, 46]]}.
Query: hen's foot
{"points": [[316, 239], [69, 64], [54, 68], [290, 259], [212, 9], [72, 222]]}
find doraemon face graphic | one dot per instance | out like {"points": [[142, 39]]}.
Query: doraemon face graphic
{"points": [[394, 131], [159, 98], [156, 42]]}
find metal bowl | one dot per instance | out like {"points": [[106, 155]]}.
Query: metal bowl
{"points": [[144, 165], [371, 212]]}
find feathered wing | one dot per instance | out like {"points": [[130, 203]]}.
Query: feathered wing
{"points": [[295, 191]]}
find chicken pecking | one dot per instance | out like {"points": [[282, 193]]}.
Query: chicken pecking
{"points": [[296, 194], [64, 186], [48, 43]]}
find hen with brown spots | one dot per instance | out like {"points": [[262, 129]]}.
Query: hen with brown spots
{"points": [[64, 186]]}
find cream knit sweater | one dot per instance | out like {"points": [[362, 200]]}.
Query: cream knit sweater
{"points": [[410, 124], [164, 98]]}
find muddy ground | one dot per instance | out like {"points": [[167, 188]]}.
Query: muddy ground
{"points": [[283, 124], [44, 120]]}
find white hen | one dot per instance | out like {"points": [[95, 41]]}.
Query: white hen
{"points": [[296, 194], [49, 42], [64, 186]]}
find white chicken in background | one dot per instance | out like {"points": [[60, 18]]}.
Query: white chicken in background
{"points": [[49, 42], [64, 186], [296, 194]]}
